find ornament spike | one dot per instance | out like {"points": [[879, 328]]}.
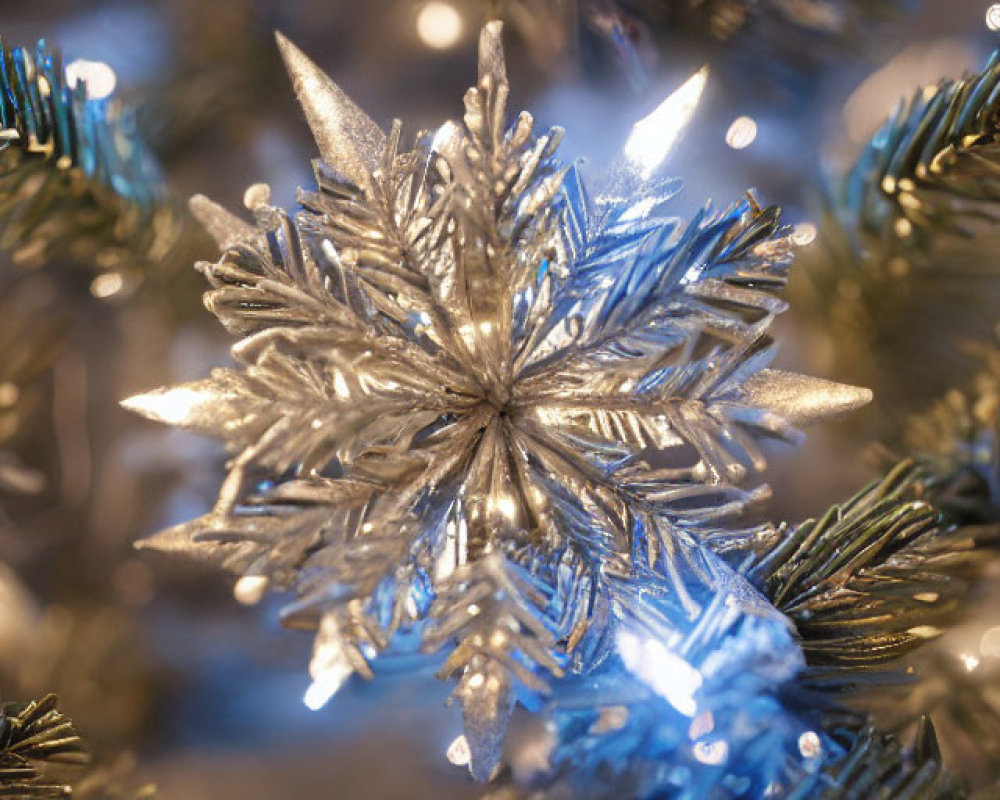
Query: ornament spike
{"points": [[224, 227], [491, 57], [193, 406], [182, 539], [487, 704], [170, 540], [330, 666], [347, 138], [803, 400]]}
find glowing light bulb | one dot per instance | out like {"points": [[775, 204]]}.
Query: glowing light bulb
{"points": [[653, 137], [666, 673], [249, 590], [439, 25], [993, 17], [107, 285], [321, 690], [97, 76], [804, 234], [330, 665], [809, 744], [458, 752], [970, 662], [712, 753], [741, 133]]}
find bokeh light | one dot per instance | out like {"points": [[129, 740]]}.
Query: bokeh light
{"points": [[99, 78], [993, 17], [439, 25], [741, 133], [107, 285], [804, 234]]}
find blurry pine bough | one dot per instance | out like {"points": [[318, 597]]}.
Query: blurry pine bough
{"points": [[78, 189], [476, 404], [957, 441], [900, 280], [726, 19], [74, 178], [76, 186], [772, 46]]}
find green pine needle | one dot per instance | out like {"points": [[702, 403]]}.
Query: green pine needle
{"points": [[933, 168], [31, 735], [874, 577], [877, 766], [958, 440], [902, 271], [75, 180]]}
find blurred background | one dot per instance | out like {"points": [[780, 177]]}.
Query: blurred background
{"points": [[153, 658]]}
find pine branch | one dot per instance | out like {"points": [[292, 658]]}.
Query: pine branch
{"points": [[30, 342], [75, 180], [957, 691], [906, 237], [767, 44], [870, 580], [932, 168], [32, 735], [754, 733], [113, 781], [854, 761], [727, 19], [875, 765], [958, 441], [749, 730]]}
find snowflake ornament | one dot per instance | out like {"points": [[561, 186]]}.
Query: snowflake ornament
{"points": [[474, 403]]}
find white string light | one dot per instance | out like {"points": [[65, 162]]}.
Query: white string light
{"points": [[439, 25]]}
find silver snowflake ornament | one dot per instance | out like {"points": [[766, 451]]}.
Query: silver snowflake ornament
{"points": [[474, 403]]}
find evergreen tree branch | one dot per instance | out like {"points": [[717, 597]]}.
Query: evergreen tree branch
{"points": [[75, 180], [879, 766], [931, 168], [905, 235], [957, 441], [874, 577], [33, 735]]}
